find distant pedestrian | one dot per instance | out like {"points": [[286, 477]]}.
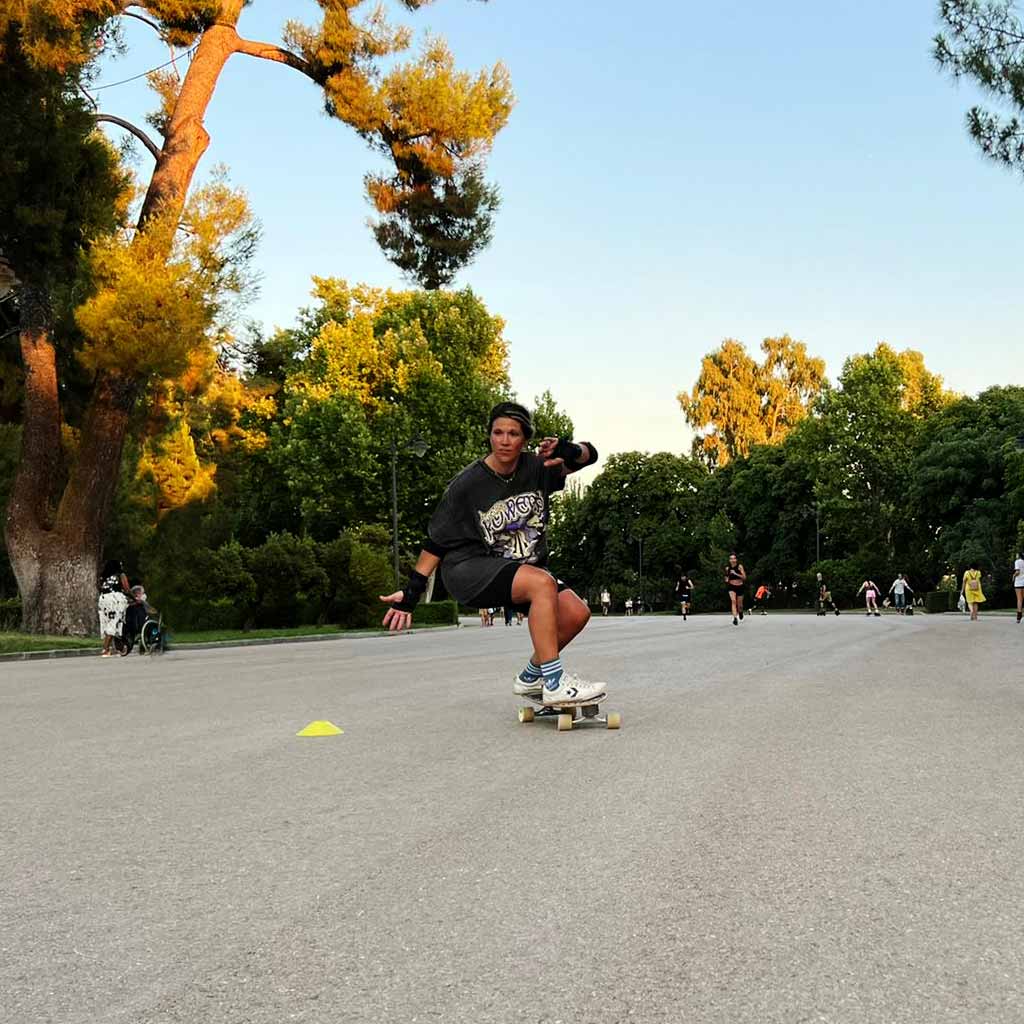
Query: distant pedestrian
{"points": [[899, 590], [761, 598], [870, 590], [113, 603], [735, 583], [1018, 583], [684, 594], [629, 606], [971, 589], [606, 601]]}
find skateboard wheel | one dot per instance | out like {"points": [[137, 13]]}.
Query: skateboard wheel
{"points": [[526, 714], [564, 723], [614, 720]]}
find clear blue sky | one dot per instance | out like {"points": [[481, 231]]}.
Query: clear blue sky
{"points": [[674, 173]]}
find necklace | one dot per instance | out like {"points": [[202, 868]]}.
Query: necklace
{"points": [[501, 476]]}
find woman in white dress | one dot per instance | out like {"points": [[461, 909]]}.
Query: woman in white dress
{"points": [[113, 603], [1018, 583]]}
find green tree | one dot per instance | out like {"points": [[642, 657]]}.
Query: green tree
{"points": [[967, 482], [866, 434], [383, 368], [549, 420], [433, 123], [984, 41], [637, 501], [737, 402]]}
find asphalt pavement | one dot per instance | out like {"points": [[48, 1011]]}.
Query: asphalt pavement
{"points": [[801, 820]]}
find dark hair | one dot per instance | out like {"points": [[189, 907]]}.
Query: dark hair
{"points": [[732, 554], [512, 411], [112, 567], [973, 564]]}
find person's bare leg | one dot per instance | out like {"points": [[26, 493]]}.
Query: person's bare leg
{"points": [[573, 615], [538, 589], [732, 601]]}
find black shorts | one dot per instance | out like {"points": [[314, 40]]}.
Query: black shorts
{"points": [[684, 597], [498, 593]]}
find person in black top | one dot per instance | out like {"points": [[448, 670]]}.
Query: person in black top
{"points": [[684, 593], [735, 581], [487, 535]]}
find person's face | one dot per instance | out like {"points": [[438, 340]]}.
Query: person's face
{"points": [[733, 560], [507, 438]]}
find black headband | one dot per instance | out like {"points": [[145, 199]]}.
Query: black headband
{"points": [[512, 411]]}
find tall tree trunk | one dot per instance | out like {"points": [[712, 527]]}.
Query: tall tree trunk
{"points": [[55, 547], [56, 575]]}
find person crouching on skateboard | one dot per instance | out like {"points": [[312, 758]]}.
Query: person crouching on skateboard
{"points": [[488, 537]]}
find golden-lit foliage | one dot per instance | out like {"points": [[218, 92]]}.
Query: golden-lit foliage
{"points": [[175, 470], [430, 118], [60, 35], [350, 357], [739, 403], [151, 311]]}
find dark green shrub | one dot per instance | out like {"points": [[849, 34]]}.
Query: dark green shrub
{"points": [[289, 581], [437, 613]]}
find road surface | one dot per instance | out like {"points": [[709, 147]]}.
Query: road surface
{"points": [[801, 820]]}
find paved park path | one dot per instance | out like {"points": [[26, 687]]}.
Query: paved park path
{"points": [[801, 820]]}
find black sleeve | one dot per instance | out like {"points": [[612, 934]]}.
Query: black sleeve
{"points": [[433, 548]]}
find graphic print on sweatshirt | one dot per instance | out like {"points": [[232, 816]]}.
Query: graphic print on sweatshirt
{"points": [[512, 528]]}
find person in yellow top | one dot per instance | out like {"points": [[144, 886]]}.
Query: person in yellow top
{"points": [[971, 589]]}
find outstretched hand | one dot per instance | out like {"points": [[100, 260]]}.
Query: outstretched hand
{"points": [[395, 619], [546, 448]]}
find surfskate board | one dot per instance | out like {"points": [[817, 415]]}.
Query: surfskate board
{"points": [[569, 716]]}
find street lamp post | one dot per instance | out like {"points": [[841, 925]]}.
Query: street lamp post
{"points": [[418, 447]]}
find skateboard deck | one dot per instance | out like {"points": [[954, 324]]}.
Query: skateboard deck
{"points": [[569, 715]]}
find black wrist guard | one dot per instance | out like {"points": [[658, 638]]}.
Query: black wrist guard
{"points": [[571, 453], [414, 590], [568, 451]]}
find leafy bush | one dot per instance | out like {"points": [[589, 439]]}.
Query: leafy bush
{"points": [[437, 613], [290, 584]]}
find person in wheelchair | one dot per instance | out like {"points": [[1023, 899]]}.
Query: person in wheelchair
{"points": [[143, 624]]}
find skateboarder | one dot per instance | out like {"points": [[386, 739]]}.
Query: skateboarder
{"points": [[761, 598], [487, 535]]}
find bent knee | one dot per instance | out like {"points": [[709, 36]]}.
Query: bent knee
{"points": [[531, 583]]}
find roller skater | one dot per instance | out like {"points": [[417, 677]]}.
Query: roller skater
{"points": [[487, 535], [870, 590], [825, 602]]}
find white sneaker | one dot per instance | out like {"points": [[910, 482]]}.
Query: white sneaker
{"points": [[572, 690], [526, 687]]}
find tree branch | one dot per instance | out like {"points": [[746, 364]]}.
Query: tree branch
{"points": [[269, 51], [146, 21], [153, 148]]}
